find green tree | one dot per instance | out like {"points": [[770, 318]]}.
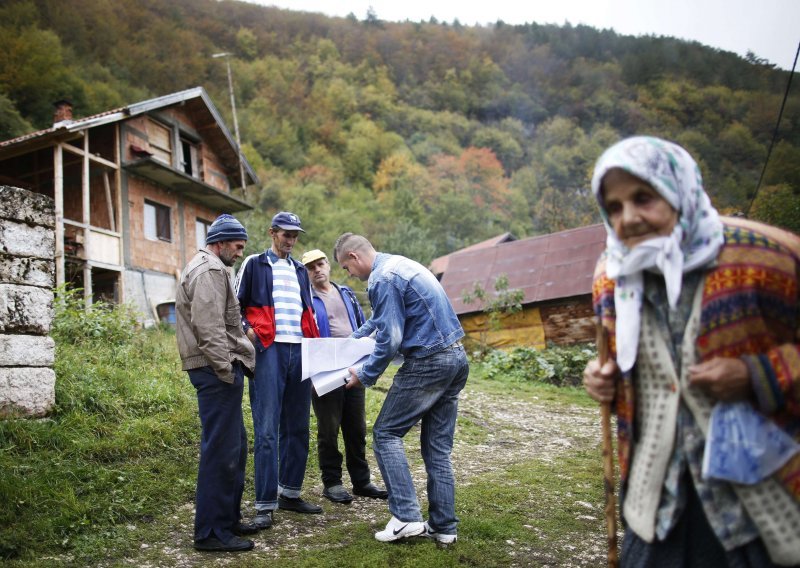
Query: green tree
{"points": [[503, 144], [11, 122], [247, 43], [32, 70], [778, 205]]}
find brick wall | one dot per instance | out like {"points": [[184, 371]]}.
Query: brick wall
{"points": [[27, 277], [569, 321], [191, 212], [160, 256]]}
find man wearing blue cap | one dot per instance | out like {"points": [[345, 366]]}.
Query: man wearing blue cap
{"points": [[275, 294], [217, 355]]}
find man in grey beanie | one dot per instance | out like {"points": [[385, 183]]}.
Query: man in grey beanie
{"points": [[217, 355]]}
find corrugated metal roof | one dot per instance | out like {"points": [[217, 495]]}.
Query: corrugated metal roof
{"points": [[547, 267], [439, 265]]}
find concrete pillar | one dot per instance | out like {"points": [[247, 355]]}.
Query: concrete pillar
{"points": [[27, 277]]}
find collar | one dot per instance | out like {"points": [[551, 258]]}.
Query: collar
{"points": [[272, 258]]}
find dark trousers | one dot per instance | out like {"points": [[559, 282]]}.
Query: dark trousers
{"points": [[342, 409], [223, 453]]}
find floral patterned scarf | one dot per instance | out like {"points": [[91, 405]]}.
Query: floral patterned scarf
{"points": [[694, 242]]}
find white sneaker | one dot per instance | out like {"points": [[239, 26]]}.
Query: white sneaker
{"points": [[397, 529], [437, 536]]}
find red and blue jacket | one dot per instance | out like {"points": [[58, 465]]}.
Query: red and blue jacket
{"points": [[254, 290]]}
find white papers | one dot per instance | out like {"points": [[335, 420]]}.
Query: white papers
{"points": [[326, 360]]}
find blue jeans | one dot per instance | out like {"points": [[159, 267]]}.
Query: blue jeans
{"points": [[424, 389], [223, 453], [281, 406]]}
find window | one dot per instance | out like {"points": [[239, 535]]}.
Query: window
{"points": [[160, 140], [188, 161], [201, 227], [157, 225]]}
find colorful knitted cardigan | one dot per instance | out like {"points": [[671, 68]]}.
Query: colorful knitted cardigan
{"points": [[749, 310]]}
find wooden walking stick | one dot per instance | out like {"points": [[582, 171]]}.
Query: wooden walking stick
{"points": [[608, 457]]}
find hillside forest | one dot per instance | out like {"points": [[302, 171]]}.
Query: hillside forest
{"points": [[425, 136]]}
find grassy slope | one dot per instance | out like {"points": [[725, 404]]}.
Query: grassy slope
{"points": [[113, 469]]}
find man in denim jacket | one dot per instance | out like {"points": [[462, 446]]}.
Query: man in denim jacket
{"points": [[411, 316]]}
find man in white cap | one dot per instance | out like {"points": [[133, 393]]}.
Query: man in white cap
{"points": [[338, 315], [275, 295], [216, 354]]}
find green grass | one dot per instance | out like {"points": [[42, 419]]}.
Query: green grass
{"points": [[118, 448], [111, 473]]}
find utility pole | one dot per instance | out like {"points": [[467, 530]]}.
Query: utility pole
{"points": [[227, 57]]}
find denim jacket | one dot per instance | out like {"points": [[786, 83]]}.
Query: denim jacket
{"points": [[410, 312]]}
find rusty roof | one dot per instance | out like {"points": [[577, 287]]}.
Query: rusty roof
{"points": [[439, 265], [547, 267]]}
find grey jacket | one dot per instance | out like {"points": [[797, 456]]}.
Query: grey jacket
{"points": [[208, 320]]}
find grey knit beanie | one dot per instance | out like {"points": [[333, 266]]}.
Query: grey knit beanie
{"points": [[226, 228]]}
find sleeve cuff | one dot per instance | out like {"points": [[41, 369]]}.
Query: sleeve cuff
{"points": [[762, 381], [363, 380]]}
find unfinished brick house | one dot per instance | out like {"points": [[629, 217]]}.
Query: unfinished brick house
{"points": [[135, 191]]}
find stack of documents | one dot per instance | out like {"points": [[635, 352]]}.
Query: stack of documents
{"points": [[326, 360]]}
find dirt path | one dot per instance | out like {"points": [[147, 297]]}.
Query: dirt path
{"points": [[516, 431]]}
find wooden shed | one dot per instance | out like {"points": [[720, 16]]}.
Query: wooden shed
{"points": [[553, 271]]}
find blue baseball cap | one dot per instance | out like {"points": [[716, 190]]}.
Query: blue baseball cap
{"points": [[287, 221]]}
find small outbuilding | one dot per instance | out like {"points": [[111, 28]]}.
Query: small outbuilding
{"points": [[554, 272]]}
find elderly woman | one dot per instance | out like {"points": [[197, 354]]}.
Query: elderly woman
{"points": [[699, 309]]}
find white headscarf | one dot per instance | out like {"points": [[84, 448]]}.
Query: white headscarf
{"points": [[694, 242]]}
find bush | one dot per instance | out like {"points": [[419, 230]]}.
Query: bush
{"points": [[559, 366], [77, 323]]}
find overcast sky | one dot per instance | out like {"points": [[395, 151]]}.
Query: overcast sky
{"points": [[768, 28]]}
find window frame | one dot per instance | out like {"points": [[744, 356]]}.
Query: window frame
{"points": [[160, 140], [200, 222], [190, 165], [159, 226]]}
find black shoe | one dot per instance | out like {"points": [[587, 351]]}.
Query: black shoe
{"points": [[213, 544], [297, 505], [337, 494], [371, 490], [241, 529], [263, 520]]}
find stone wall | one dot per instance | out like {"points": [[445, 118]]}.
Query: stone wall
{"points": [[27, 278]]}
